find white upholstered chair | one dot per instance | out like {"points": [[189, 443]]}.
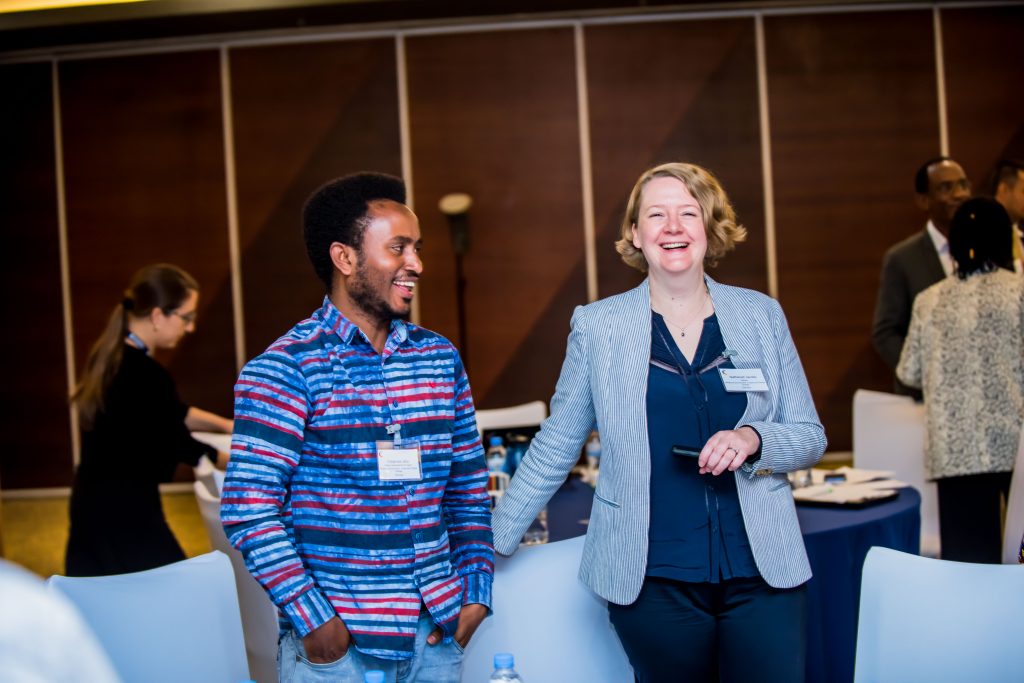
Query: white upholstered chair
{"points": [[554, 626], [1014, 530], [259, 615], [524, 415], [889, 434], [933, 621], [166, 625]]}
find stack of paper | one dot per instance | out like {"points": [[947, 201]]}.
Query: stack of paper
{"points": [[858, 487]]}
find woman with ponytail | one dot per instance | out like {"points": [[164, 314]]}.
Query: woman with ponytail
{"points": [[135, 430]]}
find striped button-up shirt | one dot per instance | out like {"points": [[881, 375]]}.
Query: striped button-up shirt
{"points": [[303, 500]]}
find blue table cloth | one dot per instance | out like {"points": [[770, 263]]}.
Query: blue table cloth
{"points": [[837, 542]]}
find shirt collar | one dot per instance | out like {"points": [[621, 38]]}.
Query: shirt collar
{"points": [[332, 320], [938, 239]]}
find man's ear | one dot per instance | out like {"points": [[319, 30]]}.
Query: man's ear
{"points": [[1002, 192], [921, 200], [343, 257]]}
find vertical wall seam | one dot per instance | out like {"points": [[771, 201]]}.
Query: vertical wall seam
{"points": [[940, 82], [405, 138], [586, 167], [231, 190], [766, 159], [65, 259]]}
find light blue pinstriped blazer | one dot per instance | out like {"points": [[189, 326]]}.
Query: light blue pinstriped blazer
{"points": [[604, 383]]}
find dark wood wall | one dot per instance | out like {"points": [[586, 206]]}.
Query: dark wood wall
{"points": [[853, 107]]}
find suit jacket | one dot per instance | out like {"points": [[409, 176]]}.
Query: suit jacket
{"points": [[604, 383], [908, 269]]}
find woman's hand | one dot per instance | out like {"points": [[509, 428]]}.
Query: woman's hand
{"points": [[727, 450]]}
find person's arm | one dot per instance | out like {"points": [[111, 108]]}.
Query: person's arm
{"points": [[794, 438], [555, 449], [909, 368], [199, 420], [892, 311], [466, 505], [467, 510], [271, 409]]}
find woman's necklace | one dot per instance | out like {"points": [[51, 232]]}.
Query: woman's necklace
{"points": [[693, 318]]}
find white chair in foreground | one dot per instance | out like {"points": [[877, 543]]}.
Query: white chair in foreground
{"points": [[166, 625], [524, 415], [1014, 528], [931, 620], [557, 629], [259, 615], [889, 434]]}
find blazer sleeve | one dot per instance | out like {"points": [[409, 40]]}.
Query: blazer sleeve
{"points": [[892, 310], [794, 438], [555, 449], [909, 368]]}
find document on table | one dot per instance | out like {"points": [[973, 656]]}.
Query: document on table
{"points": [[859, 486]]}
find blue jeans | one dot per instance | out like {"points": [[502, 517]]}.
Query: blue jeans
{"points": [[441, 663]]}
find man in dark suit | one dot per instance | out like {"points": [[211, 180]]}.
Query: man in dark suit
{"points": [[919, 261]]}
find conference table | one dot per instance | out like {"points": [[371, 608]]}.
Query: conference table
{"points": [[837, 542]]}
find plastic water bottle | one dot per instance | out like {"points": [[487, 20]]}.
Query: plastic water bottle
{"points": [[504, 669], [373, 676], [496, 455]]}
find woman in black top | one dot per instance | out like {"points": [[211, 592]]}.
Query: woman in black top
{"points": [[135, 430]]}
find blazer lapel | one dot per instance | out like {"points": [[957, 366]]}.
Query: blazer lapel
{"points": [[741, 334]]}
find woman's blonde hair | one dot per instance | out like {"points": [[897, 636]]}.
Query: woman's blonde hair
{"points": [[723, 233]]}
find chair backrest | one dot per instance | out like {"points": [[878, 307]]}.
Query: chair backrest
{"points": [[524, 415], [203, 473], [170, 624], [889, 434], [923, 619], [1013, 532], [259, 615], [571, 641]]}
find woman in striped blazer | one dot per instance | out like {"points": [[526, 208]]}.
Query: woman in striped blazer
{"points": [[703, 407]]}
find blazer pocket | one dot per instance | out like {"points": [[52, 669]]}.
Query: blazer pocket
{"points": [[609, 503], [778, 485]]}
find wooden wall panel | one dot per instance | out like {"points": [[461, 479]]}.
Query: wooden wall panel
{"points": [[303, 114], [675, 91], [495, 115], [984, 92], [853, 111], [144, 155], [37, 447]]}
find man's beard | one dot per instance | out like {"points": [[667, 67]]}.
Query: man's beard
{"points": [[362, 291]]}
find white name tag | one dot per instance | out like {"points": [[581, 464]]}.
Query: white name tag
{"points": [[398, 464], [743, 379]]}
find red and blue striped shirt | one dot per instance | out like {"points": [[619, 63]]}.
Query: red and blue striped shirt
{"points": [[303, 501]]}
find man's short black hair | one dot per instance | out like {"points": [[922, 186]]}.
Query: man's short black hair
{"points": [[1006, 171], [337, 213], [921, 177]]}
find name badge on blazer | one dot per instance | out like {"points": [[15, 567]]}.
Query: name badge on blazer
{"points": [[738, 380]]}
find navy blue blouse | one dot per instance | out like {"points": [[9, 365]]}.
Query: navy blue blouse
{"points": [[697, 532]]}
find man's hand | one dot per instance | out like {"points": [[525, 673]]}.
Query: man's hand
{"points": [[469, 620], [327, 644]]}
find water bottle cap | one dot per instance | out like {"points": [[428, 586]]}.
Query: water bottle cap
{"points": [[504, 660], [373, 677], [494, 441]]}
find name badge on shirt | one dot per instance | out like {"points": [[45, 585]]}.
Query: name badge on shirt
{"points": [[398, 464], [743, 379]]}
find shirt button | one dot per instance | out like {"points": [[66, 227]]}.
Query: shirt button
{"points": [[394, 403]]}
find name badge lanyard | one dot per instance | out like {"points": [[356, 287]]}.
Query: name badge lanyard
{"points": [[719, 360]]}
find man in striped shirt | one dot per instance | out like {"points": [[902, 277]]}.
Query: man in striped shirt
{"points": [[357, 485]]}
